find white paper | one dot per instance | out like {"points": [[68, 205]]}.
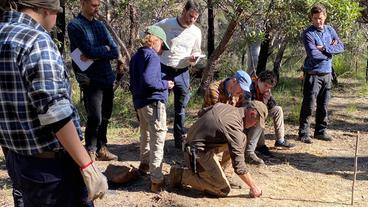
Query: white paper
{"points": [[83, 65], [197, 58]]}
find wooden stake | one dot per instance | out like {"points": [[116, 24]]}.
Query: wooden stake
{"points": [[355, 167]]}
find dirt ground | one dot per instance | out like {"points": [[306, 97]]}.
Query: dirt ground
{"points": [[320, 174]]}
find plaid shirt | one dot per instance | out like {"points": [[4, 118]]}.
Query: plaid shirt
{"points": [[216, 93], [92, 37], [34, 86]]}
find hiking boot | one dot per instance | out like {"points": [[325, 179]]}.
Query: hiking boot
{"points": [[306, 139], [105, 155], [176, 174], [323, 137], [93, 155], [284, 144], [157, 187], [264, 150], [143, 168], [234, 184], [253, 159]]}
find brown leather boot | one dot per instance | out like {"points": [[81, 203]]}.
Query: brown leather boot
{"points": [[253, 159], [143, 168], [176, 174], [105, 155], [157, 187]]}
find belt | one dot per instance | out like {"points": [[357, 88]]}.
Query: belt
{"points": [[50, 154], [317, 73]]}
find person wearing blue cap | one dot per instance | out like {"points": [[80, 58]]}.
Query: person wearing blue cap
{"points": [[150, 93], [234, 90], [261, 91]]}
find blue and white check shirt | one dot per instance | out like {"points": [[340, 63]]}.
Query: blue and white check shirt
{"points": [[34, 86]]}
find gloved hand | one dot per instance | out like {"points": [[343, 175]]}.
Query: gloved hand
{"points": [[95, 181]]}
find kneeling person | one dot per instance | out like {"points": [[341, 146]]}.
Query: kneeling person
{"points": [[214, 139]]}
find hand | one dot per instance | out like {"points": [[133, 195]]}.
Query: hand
{"points": [[95, 181], [255, 192], [170, 84], [320, 47], [84, 58]]}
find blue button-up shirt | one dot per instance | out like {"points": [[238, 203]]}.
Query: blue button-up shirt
{"points": [[92, 37], [34, 86], [316, 60]]}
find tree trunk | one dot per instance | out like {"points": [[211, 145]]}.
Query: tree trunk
{"points": [[278, 59], [133, 33], [253, 54], [366, 69], [211, 29], [208, 72], [264, 53]]}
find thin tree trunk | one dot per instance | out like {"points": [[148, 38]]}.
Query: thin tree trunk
{"points": [[208, 72], [211, 29], [133, 33], [278, 59], [60, 33], [264, 53]]}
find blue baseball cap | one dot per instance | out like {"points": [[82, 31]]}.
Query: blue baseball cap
{"points": [[243, 79]]}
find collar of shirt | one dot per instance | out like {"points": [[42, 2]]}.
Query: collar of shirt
{"points": [[22, 18]]}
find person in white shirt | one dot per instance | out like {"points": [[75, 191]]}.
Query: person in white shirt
{"points": [[184, 39]]}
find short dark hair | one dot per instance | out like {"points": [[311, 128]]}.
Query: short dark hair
{"points": [[318, 8], [191, 4], [268, 77]]}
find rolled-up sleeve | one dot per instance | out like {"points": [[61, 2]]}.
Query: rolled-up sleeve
{"points": [[46, 76]]}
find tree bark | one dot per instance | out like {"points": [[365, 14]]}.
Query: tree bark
{"points": [[133, 28], [208, 72], [278, 59], [211, 29], [264, 53], [60, 32]]}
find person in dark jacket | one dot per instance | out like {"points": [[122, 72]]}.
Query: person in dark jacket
{"points": [[321, 42], [216, 137], [91, 37], [150, 93]]}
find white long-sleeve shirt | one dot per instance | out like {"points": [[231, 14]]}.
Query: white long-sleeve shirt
{"points": [[183, 42]]}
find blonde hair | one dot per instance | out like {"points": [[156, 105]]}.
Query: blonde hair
{"points": [[149, 40]]}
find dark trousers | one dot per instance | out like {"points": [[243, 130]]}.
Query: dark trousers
{"points": [[17, 195], [98, 103], [317, 89], [47, 181], [181, 98]]}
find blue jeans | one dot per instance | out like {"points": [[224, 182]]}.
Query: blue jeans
{"points": [[181, 98], [47, 181], [98, 103], [317, 89]]}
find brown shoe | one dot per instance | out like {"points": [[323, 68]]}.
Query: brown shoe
{"points": [[176, 174], [253, 159], [92, 154], [105, 155], [143, 168], [157, 187]]}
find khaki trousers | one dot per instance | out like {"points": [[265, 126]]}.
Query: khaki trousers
{"points": [[152, 123], [210, 177]]}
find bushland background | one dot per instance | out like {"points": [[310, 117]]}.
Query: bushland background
{"points": [[253, 36]]}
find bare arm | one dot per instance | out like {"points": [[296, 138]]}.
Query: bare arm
{"points": [[255, 191], [69, 138]]}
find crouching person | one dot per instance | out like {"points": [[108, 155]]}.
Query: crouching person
{"points": [[149, 98], [212, 141]]}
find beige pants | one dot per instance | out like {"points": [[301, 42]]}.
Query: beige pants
{"points": [[152, 123], [210, 177]]}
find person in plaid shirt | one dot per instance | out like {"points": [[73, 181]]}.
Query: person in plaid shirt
{"points": [[39, 125]]}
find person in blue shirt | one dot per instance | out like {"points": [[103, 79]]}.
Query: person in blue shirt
{"points": [[91, 37], [321, 42], [150, 94]]}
